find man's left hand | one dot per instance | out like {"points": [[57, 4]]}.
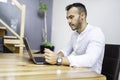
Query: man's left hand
{"points": [[50, 56]]}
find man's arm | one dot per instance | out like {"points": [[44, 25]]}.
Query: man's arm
{"points": [[51, 57], [61, 54], [65, 61]]}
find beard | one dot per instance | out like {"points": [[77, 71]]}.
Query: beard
{"points": [[75, 26], [74, 29]]}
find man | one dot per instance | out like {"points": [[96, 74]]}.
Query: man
{"points": [[86, 47]]}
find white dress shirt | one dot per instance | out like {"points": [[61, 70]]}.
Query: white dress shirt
{"points": [[86, 49]]}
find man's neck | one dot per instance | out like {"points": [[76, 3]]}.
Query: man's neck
{"points": [[83, 26]]}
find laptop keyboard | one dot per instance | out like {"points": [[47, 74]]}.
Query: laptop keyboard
{"points": [[39, 59]]}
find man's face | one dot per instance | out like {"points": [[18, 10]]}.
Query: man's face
{"points": [[73, 17]]}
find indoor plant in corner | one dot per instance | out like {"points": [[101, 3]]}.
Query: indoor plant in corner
{"points": [[46, 44]]}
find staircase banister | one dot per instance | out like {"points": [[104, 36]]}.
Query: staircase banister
{"points": [[10, 29]]}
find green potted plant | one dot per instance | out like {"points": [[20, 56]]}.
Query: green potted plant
{"points": [[46, 44]]}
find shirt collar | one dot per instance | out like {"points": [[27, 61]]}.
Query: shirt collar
{"points": [[85, 30]]}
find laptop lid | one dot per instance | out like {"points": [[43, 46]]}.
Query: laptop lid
{"points": [[28, 47]]}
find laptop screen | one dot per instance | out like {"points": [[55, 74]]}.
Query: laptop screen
{"points": [[27, 47]]}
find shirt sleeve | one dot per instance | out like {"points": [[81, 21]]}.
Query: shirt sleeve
{"points": [[93, 52], [67, 50]]}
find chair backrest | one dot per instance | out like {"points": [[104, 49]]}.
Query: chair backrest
{"points": [[111, 62]]}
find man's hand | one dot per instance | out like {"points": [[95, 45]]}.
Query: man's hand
{"points": [[50, 56]]}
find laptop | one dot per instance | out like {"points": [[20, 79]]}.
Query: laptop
{"points": [[35, 59]]}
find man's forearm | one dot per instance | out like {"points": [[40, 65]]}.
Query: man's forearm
{"points": [[65, 60], [60, 54]]}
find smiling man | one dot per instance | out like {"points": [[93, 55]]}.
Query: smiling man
{"points": [[86, 46]]}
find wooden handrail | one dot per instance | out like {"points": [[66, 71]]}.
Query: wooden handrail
{"points": [[10, 29]]}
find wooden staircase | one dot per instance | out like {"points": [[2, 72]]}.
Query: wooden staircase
{"points": [[14, 43], [10, 42]]}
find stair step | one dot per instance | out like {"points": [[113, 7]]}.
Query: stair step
{"points": [[10, 37], [12, 48], [11, 41], [17, 45], [2, 31], [2, 28]]}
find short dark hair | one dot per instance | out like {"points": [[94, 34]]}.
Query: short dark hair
{"points": [[81, 7]]}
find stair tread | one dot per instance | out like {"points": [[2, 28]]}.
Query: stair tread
{"points": [[11, 48], [11, 41], [3, 28], [10, 37], [17, 45]]}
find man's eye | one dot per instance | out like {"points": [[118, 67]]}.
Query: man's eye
{"points": [[71, 17]]}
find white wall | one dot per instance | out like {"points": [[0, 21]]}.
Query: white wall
{"points": [[102, 13]]}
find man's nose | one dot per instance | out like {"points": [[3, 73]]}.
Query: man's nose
{"points": [[69, 20]]}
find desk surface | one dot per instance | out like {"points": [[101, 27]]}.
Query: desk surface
{"points": [[15, 67]]}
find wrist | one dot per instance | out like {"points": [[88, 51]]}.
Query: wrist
{"points": [[59, 60]]}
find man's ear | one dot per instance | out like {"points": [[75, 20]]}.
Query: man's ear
{"points": [[82, 15]]}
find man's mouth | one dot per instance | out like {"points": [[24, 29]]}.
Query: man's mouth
{"points": [[71, 24]]}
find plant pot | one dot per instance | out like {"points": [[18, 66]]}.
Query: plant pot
{"points": [[42, 47]]}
